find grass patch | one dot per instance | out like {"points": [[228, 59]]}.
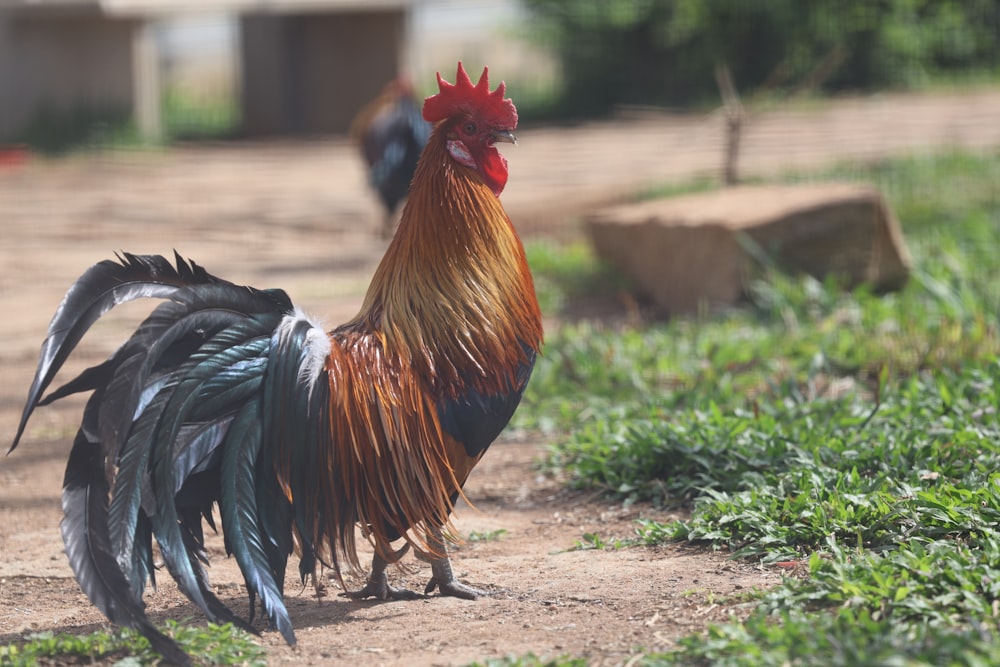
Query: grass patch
{"points": [[191, 117], [777, 483], [851, 433], [487, 535], [210, 644], [565, 274]]}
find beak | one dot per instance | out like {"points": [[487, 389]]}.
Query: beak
{"points": [[504, 136]]}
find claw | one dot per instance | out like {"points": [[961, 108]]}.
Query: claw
{"points": [[378, 582], [379, 588], [453, 588]]}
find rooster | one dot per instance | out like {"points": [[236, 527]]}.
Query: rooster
{"points": [[391, 133], [231, 396]]}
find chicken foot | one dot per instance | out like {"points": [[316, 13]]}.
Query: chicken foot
{"points": [[442, 575], [378, 581]]}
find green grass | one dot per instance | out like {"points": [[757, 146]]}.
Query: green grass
{"points": [[487, 536], [776, 484], [56, 132], [210, 644], [853, 433], [188, 116], [565, 274]]}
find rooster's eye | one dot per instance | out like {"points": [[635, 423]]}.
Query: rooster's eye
{"points": [[470, 128]]}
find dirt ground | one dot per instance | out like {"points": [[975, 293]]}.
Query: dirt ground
{"points": [[298, 215]]}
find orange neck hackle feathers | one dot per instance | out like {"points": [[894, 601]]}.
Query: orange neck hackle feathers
{"points": [[453, 292]]}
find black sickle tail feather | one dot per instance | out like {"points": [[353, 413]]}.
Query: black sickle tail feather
{"points": [[88, 546], [241, 521], [296, 428], [187, 413], [104, 286]]}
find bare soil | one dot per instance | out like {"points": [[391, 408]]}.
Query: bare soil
{"points": [[298, 215]]}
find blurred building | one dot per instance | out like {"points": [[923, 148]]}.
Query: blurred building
{"points": [[305, 65]]}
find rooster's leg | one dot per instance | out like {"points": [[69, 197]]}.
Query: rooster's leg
{"points": [[442, 576], [378, 581]]}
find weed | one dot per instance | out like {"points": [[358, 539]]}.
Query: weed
{"points": [[487, 536], [211, 644]]}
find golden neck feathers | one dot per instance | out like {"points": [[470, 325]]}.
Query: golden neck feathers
{"points": [[453, 295]]}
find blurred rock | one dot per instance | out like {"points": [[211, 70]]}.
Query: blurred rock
{"points": [[701, 249]]}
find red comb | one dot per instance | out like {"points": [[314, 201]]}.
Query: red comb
{"points": [[463, 97]]}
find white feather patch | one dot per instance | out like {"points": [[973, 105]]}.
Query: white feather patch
{"points": [[316, 349]]}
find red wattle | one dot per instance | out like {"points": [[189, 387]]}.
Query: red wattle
{"points": [[493, 168]]}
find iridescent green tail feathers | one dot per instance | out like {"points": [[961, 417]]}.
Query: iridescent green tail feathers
{"points": [[175, 425]]}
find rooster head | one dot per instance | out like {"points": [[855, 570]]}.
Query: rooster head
{"points": [[475, 119]]}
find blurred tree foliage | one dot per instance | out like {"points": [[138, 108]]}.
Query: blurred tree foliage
{"points": [[666, 51]]}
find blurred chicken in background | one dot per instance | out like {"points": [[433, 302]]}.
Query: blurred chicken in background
{"points": [[391, 134]]}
